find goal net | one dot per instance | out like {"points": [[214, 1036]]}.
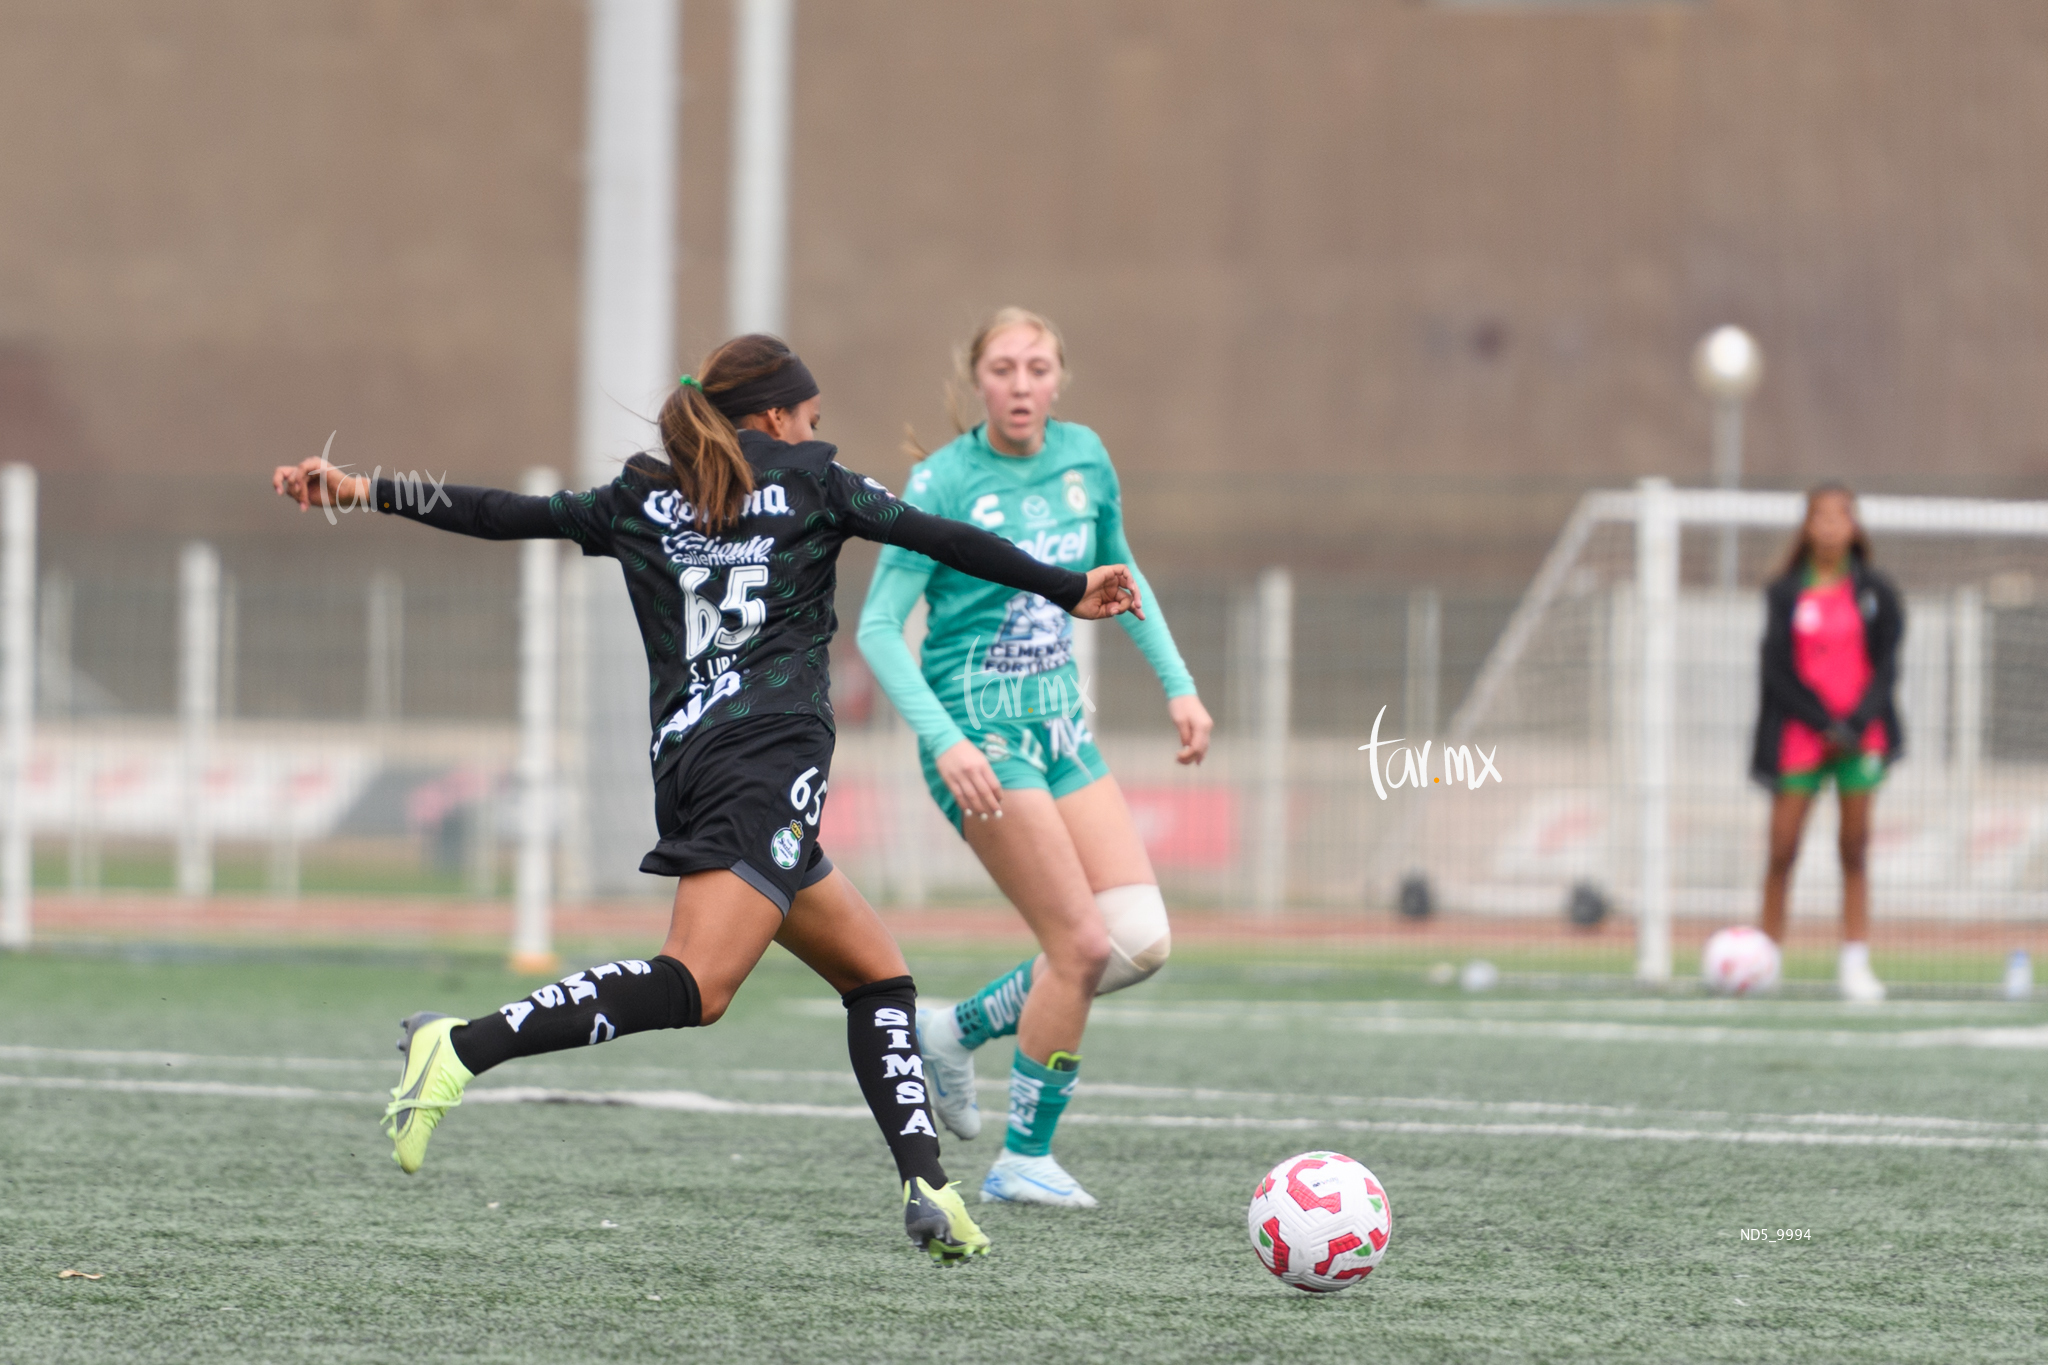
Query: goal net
{"points": [[1620, 701]]}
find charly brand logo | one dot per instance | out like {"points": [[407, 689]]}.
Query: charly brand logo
{"points": [[1408, 766], [422, 491]]}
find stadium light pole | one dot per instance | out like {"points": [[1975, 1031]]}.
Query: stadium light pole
{"points": [[198, 706], [1657, 713], [1727, 365], [626, 358], [758, 249], [1275, 645], [17, 695], [533, 948]]}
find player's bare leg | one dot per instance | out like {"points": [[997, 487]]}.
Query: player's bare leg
{"points": [[1788, 822], [718, 930], [1854, 975], [1033, 860], [833, 930]]}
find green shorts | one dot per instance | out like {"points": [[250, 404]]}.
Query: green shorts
{"points": [[1853, 773], [1056, 755]]}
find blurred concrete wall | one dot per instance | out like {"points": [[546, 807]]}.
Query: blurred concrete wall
{"points": [[1371, 285]]}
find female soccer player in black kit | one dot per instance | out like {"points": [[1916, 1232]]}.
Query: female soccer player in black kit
{"points": [[729, 547]]}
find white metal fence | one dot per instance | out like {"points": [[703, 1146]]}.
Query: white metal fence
{"points": [[408, 733]]}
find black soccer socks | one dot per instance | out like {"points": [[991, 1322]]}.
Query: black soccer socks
{"points": [[595, 1005], [881, 1039]]}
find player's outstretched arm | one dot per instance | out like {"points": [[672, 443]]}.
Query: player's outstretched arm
{"points": [[1111, 592], [1155, 641], [875, 515], [486, 513], [316, 483]]}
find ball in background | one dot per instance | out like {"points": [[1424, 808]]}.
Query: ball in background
{"points": [[1740, 960], [1320, 1221]]}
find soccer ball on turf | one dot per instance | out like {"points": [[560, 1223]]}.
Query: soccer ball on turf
{"points": [[1320, 1221], [1740, 961]]}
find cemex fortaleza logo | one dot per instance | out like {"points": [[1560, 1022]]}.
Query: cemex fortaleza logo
{"points": [[415, 489], [1408, 766], [1020, 697]]}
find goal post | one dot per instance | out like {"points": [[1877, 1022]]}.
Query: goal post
{"points": [[533, 881], [1624, 689]]}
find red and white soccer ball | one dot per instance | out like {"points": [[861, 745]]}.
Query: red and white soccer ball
{"points": [[1320, 1221], [1740, 961]]}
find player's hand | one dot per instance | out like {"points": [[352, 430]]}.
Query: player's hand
{"points": [[968, 774], [1111, 592], [1191, 718], [316, 483]]}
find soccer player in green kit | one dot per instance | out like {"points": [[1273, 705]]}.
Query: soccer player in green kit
{"points": [[1002, 730]]}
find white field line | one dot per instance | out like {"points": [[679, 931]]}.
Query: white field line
{"points": [[1205, 1095], [694, 1102], [204, 1089], [16, 1053], [844, 1080], [1392, 1018], [677, 1101], [1750, 1011], [1713, 1035], [1760, 1136]]}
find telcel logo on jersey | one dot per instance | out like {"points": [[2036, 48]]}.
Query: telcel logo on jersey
{"points": [[1465, 763], [1051, 547]]}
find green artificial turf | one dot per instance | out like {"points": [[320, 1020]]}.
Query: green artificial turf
{"points": [[246, 1225]]}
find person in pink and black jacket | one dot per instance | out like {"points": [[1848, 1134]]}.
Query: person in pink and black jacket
{"points": [[1829, 668]]}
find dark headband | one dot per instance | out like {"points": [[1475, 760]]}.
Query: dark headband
{"points": [[785, 388]]}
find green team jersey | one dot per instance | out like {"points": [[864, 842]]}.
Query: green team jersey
{"points": [[991, 652]]}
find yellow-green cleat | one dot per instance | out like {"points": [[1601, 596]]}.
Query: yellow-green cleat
{"points": [[938, 1224], [429, 1087]]}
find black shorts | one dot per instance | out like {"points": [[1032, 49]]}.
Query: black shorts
{"points": [[746, 799]]}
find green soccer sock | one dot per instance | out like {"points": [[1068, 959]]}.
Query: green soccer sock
{"points": [[1038, 1096], [993, 1011]]}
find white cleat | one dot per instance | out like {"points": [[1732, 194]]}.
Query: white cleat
{"points": [[1859, 985], [1016, 1179], [948, 1073]]}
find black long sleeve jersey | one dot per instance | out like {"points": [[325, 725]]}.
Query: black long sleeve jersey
{"points": [[735, 624]]}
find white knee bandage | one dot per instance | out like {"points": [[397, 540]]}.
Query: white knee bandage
{"points": [[1139, 939]]}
